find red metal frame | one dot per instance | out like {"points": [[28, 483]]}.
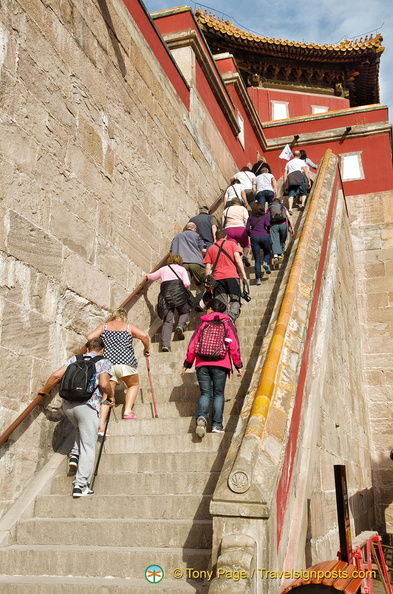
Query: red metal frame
{"points": [[373, 549]]}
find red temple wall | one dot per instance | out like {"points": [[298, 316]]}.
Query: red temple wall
{"points": [[146, 26], [375, 149], [299, 104]]}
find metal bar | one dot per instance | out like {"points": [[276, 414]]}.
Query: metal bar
{"points": [[100, 450], [153, 397]]}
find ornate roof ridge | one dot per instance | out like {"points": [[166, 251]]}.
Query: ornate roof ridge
{"points": [[227, 27]]}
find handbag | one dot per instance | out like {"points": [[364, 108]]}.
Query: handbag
{"points": [[190, 297]]}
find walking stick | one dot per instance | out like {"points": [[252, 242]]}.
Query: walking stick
{"points": [[151, 388], [100, 450]]}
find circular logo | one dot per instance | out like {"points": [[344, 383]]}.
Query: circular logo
{"points": [[154, 574]]}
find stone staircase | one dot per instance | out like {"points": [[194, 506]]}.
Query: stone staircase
{"points": [[152, 494]]}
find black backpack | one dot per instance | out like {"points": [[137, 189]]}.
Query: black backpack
{"points": [[77, 384], [211, 344], [277, 213]]}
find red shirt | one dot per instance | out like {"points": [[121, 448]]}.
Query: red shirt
{"points": [[225, 267]]}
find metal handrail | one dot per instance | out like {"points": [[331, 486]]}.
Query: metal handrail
{"points": [[38, 399]]}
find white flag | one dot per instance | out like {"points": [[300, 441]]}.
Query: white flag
{"points": [[286, 153]]}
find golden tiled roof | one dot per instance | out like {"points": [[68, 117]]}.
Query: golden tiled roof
{"points": [[349, 66], [286, 47]]}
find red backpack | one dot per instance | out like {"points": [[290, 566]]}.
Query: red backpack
{"points": [[212, 345]]}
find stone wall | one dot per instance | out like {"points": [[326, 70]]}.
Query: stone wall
{"points": [[372, 234], [340, 407], [100, 167]]}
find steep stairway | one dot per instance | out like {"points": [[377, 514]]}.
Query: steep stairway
{"points": [[152, 494]]}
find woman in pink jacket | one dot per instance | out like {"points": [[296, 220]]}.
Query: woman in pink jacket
{"points": [[214, 346]]}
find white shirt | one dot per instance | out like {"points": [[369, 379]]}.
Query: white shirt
{"points": [[234, 191], [295, 165], [246, 178], [264, 182]]}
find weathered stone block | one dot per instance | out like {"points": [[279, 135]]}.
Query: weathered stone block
{"points": [[373, 270], [8, 96], [380, 314], [323, 513], [75, 197], [82, 166], [378, 300], [24, 331], [31, 244], [77, 313], [11, 364], [112, 261], [72, 231], [90, 140], [276, 423], [379, 285], [86, 280], [18, 147], [387, 204]]}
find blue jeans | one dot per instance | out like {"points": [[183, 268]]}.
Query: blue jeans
{"points": [[265, 196], [259, 243], [211, 381], [278, 233]]}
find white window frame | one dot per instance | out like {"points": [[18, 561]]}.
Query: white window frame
{"points": [[348, 172], [319, 109], [277, 103], [240, 121]]}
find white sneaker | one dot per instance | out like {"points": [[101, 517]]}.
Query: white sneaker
{"points": [[79, 491], [201, 427], [217, 429], [73, 464]]}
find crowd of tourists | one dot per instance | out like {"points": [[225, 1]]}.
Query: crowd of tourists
{"points": [[214, 254]]}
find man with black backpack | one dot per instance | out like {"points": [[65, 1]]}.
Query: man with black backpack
{"points": [[279, 224], [84, 387]]}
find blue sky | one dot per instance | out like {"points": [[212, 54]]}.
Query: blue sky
{"points": [[321, 21]]}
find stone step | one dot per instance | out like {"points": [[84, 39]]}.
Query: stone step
{"points": [[115, 533], [252, 323], [151, 483], [155, 426], [164, 380], [194, 461], [169, 364], [171, 410], [100, 561], [180, 395], [160, 507], [187, 442], [47, 584], [168, 410]]}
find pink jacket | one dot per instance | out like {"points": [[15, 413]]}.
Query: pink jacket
{"points": [[233, 352]]}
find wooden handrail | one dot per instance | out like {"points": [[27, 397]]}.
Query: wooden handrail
{"points": [[38, 399]]}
